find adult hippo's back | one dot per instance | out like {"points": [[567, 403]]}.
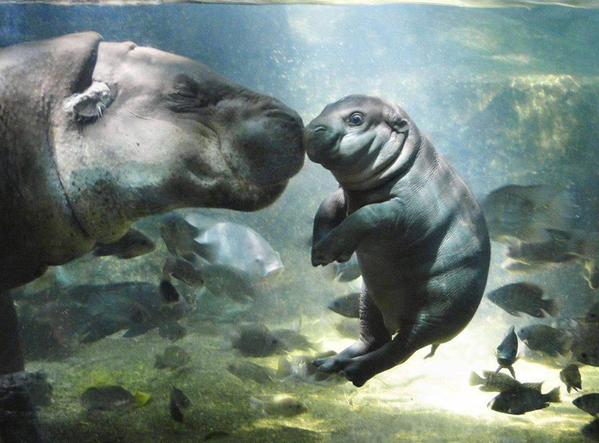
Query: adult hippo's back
{"points": [[419, 234], [94, 135]]}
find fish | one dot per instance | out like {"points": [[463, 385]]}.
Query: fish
{"points": [[172, 331], [493, 381], [545, 339], [178, 403], [292, 340], [245, 370], [344, 272], [591, 430], [107, 398], [524, 212], [256, 340], [279, 405], [168, 292], [571, 377], [215, 248], [589, 403], [521, 400], [133, 244], [88, 313], [173, 357], [507, 352], [516, 298], [346, 305]]}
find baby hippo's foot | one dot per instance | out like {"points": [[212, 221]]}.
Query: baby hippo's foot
{"points": [[331, 249], [349, 364], [357, 370]]}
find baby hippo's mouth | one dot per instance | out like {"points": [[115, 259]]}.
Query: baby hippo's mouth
{"points": [[320, 143]]}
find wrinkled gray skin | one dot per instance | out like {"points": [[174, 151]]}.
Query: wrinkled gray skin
{"points": [[227, 258], [171, 134], [419, 234], [94, 135]]}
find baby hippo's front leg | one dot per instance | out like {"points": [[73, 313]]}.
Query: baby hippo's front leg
{"points": [[341, 242]]}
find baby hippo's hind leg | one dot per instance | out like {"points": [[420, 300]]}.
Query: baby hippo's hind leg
{"points": [[373, 335], [431, 326]]}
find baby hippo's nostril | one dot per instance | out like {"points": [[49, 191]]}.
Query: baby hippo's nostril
{"points": [[319, 128]]}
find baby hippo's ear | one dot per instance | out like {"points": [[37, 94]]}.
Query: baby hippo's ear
{"points": [[396, 121]]}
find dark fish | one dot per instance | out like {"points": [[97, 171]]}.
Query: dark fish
{"points": [[507, 352], [521, 400], [347, 305], [570, 375], [169, 292], [588, 403], [245, 370], [106, 398], [133, 244], [178, 402], [591, 430], [172, 331], [545, 339], [558, 247], [523, 212], [523, 297], [492, 381], [256, 340], [173, 357], [34, 383], [349, 328]]}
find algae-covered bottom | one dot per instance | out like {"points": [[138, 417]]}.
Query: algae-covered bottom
{"points": [[422, 400]]}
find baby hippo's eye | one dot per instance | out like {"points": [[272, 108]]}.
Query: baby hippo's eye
{"points": [[356, 119]]}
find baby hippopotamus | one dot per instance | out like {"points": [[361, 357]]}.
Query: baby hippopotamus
{"points": [[419, 234]]}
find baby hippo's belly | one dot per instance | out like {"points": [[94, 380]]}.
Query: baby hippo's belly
{"points": [[390, 284], [445, 283]]}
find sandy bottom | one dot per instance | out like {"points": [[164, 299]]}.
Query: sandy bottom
{"points": [[421, 401]]}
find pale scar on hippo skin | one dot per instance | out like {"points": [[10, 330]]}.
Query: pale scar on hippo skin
{"points": [[418, 232]]}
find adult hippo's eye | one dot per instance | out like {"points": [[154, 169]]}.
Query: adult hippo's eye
{"points": [[356, 119]]}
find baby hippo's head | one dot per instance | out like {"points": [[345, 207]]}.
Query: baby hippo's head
{"points": [[361, 140]]}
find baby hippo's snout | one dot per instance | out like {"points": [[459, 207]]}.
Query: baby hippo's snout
{"points": [[319, 141]]}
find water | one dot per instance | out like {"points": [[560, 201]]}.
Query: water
{"points": [[508, 95]]}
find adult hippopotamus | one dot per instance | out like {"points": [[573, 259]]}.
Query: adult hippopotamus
{"points": [[419, 234], [94, 135]]}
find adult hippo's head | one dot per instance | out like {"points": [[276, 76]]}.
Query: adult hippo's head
{"points": [[187, 135], [362, 140], [95, 135]]}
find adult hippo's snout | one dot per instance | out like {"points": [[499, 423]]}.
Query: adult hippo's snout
{"points": [[271, 146]]}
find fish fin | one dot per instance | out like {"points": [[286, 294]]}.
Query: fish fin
{"points": [[558, 235], [553, 396], [476, 379], [568, 388], [433, 350], [551, 307], [535, 386], [512, 372]]}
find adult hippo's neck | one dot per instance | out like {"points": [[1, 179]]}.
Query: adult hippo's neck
{"points": [[37, 227]]}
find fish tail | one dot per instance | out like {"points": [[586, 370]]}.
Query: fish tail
{"points": [[553, 396], [550, 307], [476, 379]]}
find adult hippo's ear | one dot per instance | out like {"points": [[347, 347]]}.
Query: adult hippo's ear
{"points": [[395, 120]]}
